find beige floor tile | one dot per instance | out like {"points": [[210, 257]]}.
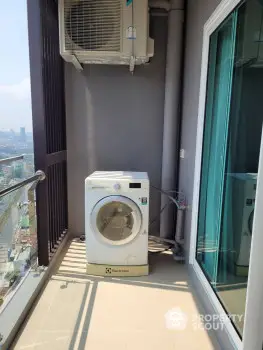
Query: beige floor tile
{"points": [[76, 311]]}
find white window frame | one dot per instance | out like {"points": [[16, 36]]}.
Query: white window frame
{"points": [[219, 15]]}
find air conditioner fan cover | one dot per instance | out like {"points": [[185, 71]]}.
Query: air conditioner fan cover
{"points": [[93, 25]]}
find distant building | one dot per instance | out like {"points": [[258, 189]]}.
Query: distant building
{"points": [[3, 256], [23, 259], [7, 171], [12, 133], [23, 134], [2, 183], [18, 170]]}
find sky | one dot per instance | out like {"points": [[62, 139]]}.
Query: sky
{"points": [[15, 98]]}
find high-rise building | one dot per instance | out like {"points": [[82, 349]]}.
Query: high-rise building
{"points": [[22, 134], [18, 170], [7, 171], [3, 255]]}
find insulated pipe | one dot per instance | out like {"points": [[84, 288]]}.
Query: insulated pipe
{"points": [[160, 4], [171, 112], [179, 232], [167, 4]]}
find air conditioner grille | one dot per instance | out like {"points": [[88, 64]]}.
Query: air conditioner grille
{"points": [[93, 25]]}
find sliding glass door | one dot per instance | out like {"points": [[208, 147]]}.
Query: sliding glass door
{"points": [[214, 148], [230, 155]]}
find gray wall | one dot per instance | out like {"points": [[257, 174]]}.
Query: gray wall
{"points": [[115, 122], [198, 12]]}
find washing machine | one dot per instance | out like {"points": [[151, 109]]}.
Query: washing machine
{"points": [[243, 202], [117, 219]]}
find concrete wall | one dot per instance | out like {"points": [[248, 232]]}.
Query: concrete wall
{"points": [[99, 136], [115, 122], [198, 12]]}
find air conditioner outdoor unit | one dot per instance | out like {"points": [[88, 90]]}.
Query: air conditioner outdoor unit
{"points": [[105, 32]]}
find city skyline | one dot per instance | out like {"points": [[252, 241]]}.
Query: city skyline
{"points": [[15, 95], [17, 130]]}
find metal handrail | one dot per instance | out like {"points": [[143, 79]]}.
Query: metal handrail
{"points": [[11, 159], [39, 176]]}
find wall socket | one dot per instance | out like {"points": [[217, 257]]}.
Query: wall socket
{"points": [[182, 153]]}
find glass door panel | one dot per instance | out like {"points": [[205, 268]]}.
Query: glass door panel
{"points": [[231, 147], [214, 147]]}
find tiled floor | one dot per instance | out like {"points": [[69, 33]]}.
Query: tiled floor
{"points": [[77, 311]]}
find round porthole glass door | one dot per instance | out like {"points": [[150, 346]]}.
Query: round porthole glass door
{"points": [[116, 220]]}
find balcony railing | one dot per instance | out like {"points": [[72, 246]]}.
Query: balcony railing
{"points": [[18, 225], [15, 169], [7, 161]]}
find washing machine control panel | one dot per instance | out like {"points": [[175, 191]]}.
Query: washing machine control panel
{"points": [[117, 186], [138, 187]]}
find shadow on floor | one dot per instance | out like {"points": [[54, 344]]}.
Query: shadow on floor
{"points": [[109, 296]]}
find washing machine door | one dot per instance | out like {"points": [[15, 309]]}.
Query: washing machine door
{"points": [[116, 220]]}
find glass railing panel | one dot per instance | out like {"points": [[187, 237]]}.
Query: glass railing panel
{"points": [[18, 239], [15, 169]]}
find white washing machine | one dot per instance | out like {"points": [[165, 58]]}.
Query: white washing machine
{"points": [[243, 203], [117, 218]]}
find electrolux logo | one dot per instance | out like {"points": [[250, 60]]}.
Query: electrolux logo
{"points": [[120, 270], [109, 270]]}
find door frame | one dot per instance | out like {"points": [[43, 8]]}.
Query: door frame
{"points": [[223, 10]]}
